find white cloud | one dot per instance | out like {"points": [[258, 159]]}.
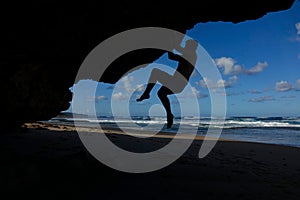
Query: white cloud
{"points": [[118, 96], [283, 86], [261, 99], [97, 98], [126, 86], [227, 93], [259, 67], [197, 93], [128, 83], [140, 88], [207, 83], [288, 97], [254, 91], [127, 80], [297, 25], [298, 85], [191, 94], [220, 83], [230, 67], [101, 98], [233, 79]]}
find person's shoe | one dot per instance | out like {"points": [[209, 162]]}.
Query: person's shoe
{"points": [[170, 120], [143, 97]]}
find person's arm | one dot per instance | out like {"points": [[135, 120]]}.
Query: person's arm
{"points": [[179, 48], [174, 56]]}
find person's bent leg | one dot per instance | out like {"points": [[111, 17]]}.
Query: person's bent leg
{"points": [[163, 96], [146, 94], [156, 75]]}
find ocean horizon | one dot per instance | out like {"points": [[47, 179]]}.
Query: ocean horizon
{"points": [[269, 130]]}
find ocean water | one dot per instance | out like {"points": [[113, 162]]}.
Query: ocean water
{"points": [[272, 130]]}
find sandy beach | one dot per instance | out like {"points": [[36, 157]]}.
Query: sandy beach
{"points": [[50, 162]]}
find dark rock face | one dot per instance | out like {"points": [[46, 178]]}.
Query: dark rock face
{"points": [[45, 42]]}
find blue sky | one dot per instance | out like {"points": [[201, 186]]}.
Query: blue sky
{"points": [[259, 61]]}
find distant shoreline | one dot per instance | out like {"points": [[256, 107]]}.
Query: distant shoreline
{"points": [[267, 130], [110, 130]]}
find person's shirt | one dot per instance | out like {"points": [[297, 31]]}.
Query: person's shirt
{"points": [[185, 68]]}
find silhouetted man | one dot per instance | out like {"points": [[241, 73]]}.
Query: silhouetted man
{"points": [[172, 84]]}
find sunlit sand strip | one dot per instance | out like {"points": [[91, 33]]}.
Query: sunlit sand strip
{"points": [[106, 130]]}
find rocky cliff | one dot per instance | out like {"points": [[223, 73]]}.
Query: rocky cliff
{"points": [[44, 42]]}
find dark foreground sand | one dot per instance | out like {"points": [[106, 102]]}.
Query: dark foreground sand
{"points": [[50, 162]]}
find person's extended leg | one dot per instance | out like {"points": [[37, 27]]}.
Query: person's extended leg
{"points": [[162, 93], [146, 94], [156, 75]]}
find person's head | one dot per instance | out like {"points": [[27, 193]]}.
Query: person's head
{"points": [[191, 45]]}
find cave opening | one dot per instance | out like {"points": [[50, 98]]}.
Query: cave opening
{"points": [[244, 52]]}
